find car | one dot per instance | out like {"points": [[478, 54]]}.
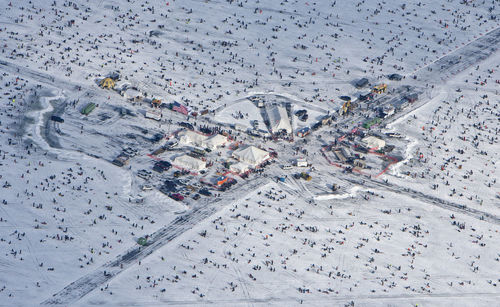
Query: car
{"points": [[395, 77], [287, 167], [130, 152], [169, 187], [304, 117], [144, 174], [186, 125], [162, 166], [196, 196], [316, 126], [205, 192], [176, 196], [147, 187], [300, 113], [57, 119]]}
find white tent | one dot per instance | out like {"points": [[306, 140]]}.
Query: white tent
{"points": [[215, 141], [131, 93], [239, 167], [373, 142], [188, 137], [251, 155], [191, 163], [278, 118]]}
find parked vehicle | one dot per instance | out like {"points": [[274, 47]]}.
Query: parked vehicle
{"points": [[144, 174], [205, 192], [153, 115], [186, 125], [147, 187], [162, 166], [303, 132], [395, 77], [176, 196], [57, 119]]}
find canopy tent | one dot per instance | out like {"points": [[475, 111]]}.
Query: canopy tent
{"points": [[131, 93], [373, 142], [188, 162], [278, 119], [215, 141], [188, 137], [239, 167], [251, 155]]}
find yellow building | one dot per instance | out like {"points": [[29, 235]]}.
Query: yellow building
{"points": [[379, 89]]}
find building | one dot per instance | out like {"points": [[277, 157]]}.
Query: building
{"points": [[373, 142], [189, 137], [238, 167], [251, 155], [217, 140], [380, 88], [412, 97], [190, 163], [301, 163], [361, 83], [278, 120]]}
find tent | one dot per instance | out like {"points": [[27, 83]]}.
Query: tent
{"points": [[251, 155], [132, 94], [215, 141], [107, 83], [239, 167], [373, 142], [188, 162], [278, 119], [188, 137]]}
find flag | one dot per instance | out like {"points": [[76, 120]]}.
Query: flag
{"points": [[179, 108]]}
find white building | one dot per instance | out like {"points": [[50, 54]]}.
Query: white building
{"points": [[239, 167], [301, 163], [373, 142], [188, 137], [215, 141], [251, 155], [190, 163]]}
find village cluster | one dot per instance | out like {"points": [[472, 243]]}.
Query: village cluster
{"points": [[204, 154], [249, 152]]}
